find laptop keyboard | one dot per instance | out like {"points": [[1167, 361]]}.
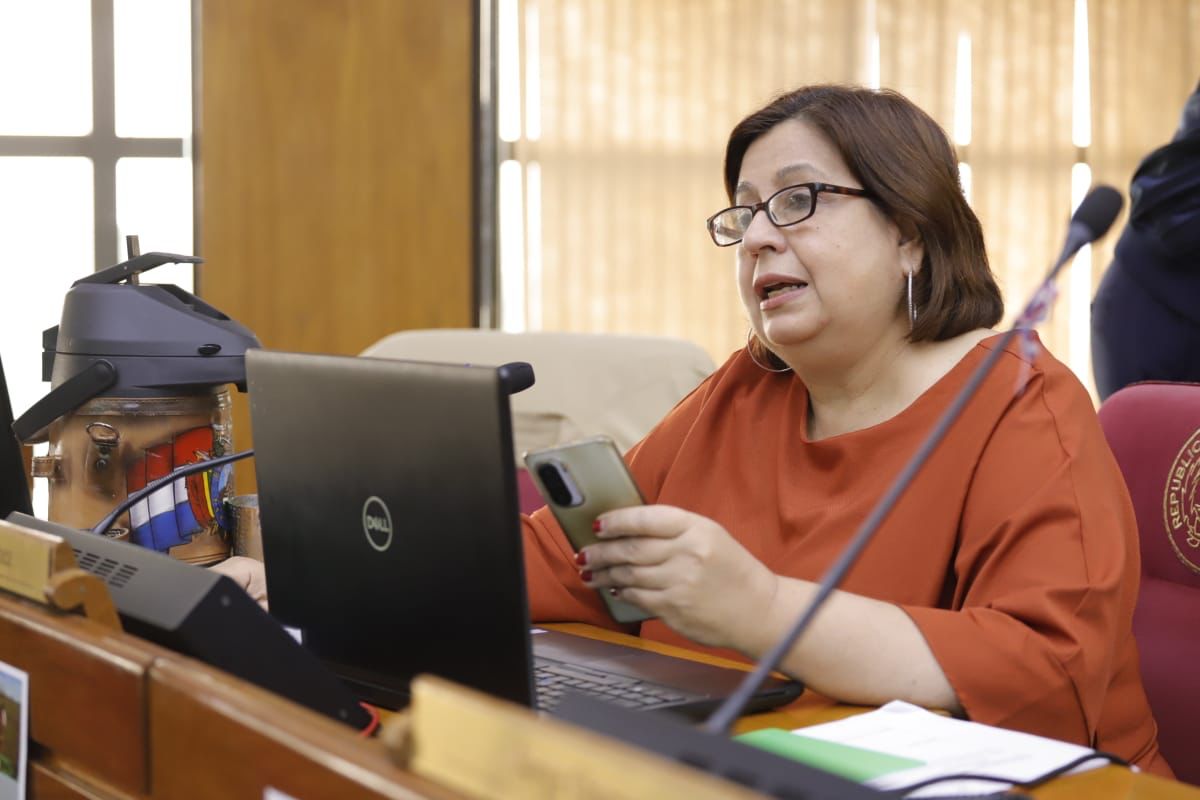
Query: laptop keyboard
{"points": [[553, 678]]}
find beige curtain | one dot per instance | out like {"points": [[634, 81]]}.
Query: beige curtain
{"points": [[1020, 153], [1145, 62], [636, 99], [917, 51]]}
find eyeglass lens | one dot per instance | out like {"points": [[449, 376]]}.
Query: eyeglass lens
{"points": [[787, 207], [790, 205]]}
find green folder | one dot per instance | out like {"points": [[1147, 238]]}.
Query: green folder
{"points": [[854, 763]]}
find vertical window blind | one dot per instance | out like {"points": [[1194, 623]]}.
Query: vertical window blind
{"points": [[615, 113]]}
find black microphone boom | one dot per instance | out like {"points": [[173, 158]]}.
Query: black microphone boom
{"points": [[1090, 221], [760, 770]]}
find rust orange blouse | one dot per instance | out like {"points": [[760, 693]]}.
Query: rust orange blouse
{"points": [[1014, 550]]}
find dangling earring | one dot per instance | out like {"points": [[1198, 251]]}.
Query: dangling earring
{"points": [[750, 352], [912, 309]]}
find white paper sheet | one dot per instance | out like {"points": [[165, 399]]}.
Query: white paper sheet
{"points": [[948, 746]]}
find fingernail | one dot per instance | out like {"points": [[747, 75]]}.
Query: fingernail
{"points": [[586, 575], [614, 591], [581, 558], [597, 525]]}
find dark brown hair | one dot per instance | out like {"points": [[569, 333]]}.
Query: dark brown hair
{"points": [[903, 158]]}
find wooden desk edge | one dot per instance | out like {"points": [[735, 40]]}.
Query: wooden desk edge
{"points": [[814, 709], [330, 745]]}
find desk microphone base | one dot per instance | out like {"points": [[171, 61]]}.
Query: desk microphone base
{"points": [[718, 756]]}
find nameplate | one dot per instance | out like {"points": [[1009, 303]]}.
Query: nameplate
{"points": [[484, 747], [29, 558]]}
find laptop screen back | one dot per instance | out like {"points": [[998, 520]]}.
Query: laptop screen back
{"points": [[14, 488], [389, 518]]}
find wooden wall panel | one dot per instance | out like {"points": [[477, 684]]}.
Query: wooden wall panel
{"points": [[335, 157]]}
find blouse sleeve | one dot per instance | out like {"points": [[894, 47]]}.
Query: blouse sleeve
{"points": [[1045, 573]]}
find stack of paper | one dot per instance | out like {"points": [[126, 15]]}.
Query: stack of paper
{"points": [[900, 744]]}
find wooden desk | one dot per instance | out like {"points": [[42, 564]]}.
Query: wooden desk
{"points": [[118, 718], [812, 709], [217, 736], [87, 700]]}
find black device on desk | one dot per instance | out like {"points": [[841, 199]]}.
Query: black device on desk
{"points": [[204, 614], [14, 484], [390, 525]]}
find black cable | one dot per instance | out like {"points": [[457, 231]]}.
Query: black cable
{"points": [[150, 488]]}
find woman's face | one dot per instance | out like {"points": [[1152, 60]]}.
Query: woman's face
{"points": [[838, 276]]}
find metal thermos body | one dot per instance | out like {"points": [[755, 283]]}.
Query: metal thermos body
{"points": [[111, 446]]}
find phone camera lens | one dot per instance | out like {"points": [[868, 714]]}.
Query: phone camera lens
{"points": [[554, 484], [558, 485]]}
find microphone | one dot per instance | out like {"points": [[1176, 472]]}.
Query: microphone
{"points": [[1090, 221]]}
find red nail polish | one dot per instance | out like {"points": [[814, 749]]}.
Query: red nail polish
{"points": [[597, 525], [614, 591], [581, 558], [586, 575]]}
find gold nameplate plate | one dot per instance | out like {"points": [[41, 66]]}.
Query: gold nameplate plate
{"points": [[29, 558], [483, 747]]}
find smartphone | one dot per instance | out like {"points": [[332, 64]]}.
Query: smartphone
{"points": [[580, 481]]}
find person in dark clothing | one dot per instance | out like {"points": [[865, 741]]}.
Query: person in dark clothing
{"points": [[1146, 312]]}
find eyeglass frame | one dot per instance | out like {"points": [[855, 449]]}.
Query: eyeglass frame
{"points": [[814, 189]]}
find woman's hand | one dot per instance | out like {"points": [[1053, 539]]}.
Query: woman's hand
{"points": [[248, 573], [689, 571], [684, 568]]}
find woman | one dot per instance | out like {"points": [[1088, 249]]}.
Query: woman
{"points": [[1002, 585]]}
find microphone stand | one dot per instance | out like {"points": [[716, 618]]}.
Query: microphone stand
{"points": [[1089, 223], [759, 769]]}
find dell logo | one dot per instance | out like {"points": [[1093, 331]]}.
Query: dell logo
{"points": [[377, 523]]}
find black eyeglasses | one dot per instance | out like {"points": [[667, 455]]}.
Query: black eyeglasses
{"points": [[786, 207]]}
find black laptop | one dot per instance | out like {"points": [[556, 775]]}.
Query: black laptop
{"points": [[388, 503]]}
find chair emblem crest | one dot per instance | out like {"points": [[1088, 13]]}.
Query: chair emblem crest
{"points": [[1181, 503]]}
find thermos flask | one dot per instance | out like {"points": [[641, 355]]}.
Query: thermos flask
{"points": [[140, 377]]}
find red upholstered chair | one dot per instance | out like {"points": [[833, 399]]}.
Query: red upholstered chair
{"points": [[528, 497], [1154, 431]]}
